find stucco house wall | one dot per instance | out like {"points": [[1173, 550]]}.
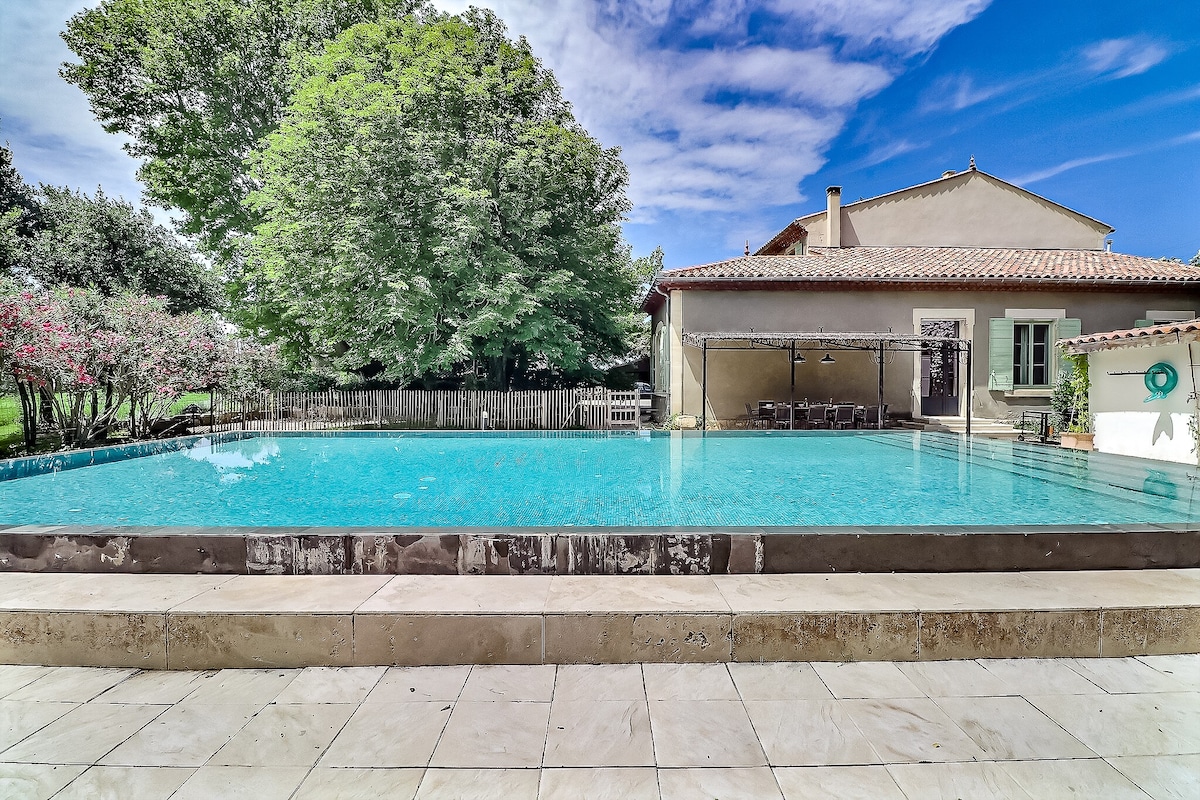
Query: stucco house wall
{"points": [[968, 209], [738, 377], [1128, 425]]}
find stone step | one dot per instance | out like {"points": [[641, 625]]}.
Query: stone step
{"points": [[215, 622]]}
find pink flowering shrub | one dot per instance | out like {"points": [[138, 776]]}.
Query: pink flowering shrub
{"points": [[78, 358]]}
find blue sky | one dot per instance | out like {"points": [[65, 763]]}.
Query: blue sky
{"points": [[734, 115]]}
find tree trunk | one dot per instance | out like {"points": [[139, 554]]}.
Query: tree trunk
{"points": [[29, 414]]}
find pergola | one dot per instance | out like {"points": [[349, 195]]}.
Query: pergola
{"points": [[878, 343]]}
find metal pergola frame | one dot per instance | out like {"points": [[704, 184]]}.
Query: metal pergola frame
{"points": [[879, 343]]}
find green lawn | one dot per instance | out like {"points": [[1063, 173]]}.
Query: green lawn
{"points": [[11, 443]]}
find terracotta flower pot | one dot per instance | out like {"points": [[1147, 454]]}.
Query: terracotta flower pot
{"points": [[1077, 441]]}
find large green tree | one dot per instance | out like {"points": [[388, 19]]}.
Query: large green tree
{"points": [[106, 244], [19, 212], [429, 203], [196, 84]]}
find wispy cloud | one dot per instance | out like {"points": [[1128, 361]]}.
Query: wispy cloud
{"points": [[956, 92], [718, 119], [1075, 163], [1121, 58]]}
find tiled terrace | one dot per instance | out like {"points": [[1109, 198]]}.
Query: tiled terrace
{"points": [[1013, 729]]}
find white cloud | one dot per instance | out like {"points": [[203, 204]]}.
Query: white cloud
{"points": [[914, 26], [954, 93], [722, 122], [1121, 58], [54, 137]]}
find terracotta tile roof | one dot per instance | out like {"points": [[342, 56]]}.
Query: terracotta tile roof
{"points": [[1177, 331], [993, 266], [953, 264]]}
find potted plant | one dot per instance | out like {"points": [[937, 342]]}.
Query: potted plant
{"points": [[1069, 403]]}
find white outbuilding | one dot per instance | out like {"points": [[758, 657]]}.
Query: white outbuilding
{"points": [[1143, 389]]}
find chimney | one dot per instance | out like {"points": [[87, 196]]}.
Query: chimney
{"points": [[949, 173], [833, 216]]}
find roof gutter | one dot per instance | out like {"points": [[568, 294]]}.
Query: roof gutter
{"points": [[881, 279]]}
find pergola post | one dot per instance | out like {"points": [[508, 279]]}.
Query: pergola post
{"points": [[879, 418], [704, 387], [792, 390], [970, 386]]}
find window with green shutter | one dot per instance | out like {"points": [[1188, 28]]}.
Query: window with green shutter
{"points": [[1021, 353], [1000, 354]]}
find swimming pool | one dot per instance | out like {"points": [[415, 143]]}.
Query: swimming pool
{"points": [[703, 495], [601, 479]]}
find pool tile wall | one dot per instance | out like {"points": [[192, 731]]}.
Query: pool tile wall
{"points": [[649, 551]]}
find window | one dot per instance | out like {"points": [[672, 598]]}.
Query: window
{"points": [[1021, 353], [1031, 354]]}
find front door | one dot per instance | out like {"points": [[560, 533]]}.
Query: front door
{"points": [[939, 370]]}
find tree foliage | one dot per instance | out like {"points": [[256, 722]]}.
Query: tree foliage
{"points": [[196, 84], [106, 244], [19, 212], [429, 203]]}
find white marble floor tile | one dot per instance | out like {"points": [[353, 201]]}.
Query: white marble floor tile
{"points": [[154, 687], [630, 783], [1009, 728], [182, 736], [1163, 777], [1038, 676], [609, 733], [808, 733], [530, 684], [599, 682], [288, 735], [1184, 667], [1081, 779], [241, 783], [754, 783], [419, 684], [704, 733], [71, 684], [331, 685], [1126, 676], [20, 718], [910, 729], [348, 783], [479, 784], [35, 781], [241, 687], [124, 783], [15, 676], [688, 682], [1128, 724], [83, 735], [493, 734], [844, 783], [866, 679], [389, 735], [954, 679], [986, 781], [788, 680]]}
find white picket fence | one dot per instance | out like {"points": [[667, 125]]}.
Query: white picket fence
{"points": [[557, 409]]}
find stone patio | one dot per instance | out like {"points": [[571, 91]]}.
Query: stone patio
{"points": [[1020, 728], [219, 621]]}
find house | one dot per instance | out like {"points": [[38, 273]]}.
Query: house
{"points": [[1143, 397], [931, 298]]}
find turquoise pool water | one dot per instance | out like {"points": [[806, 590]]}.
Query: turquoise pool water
{"points": [[605, 479]]}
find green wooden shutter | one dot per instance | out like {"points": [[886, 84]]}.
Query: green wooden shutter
{"points": [[1067, 328], [1143, 323], [1000, 354]]}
